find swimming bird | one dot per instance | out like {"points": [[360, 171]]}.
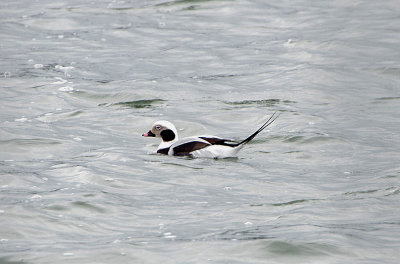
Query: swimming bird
{"points": [[198, 146]]}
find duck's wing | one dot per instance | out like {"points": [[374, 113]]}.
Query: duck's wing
{"points": [[213, 140], [184, 146]]}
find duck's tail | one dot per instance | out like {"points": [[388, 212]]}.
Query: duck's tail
{"points": [[247, 140]]}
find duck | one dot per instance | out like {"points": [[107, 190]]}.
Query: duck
{"points": [[198, 146]]}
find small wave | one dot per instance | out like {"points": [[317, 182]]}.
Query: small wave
{"points": [[293, 202], [284, 248], [214, 77], [265, 102], [7, 260], [136, 104], [293, 139], [387, 98], [180, 2], [30, 141], [309, 140], [363, 194], [88, 206]]}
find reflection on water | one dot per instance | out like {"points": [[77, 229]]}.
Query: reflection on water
{"points": [[81, 81]]}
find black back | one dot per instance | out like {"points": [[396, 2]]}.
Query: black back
{"points": [[219, 141]]}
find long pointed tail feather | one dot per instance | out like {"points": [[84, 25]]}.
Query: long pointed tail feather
{"points": [[269, 122]]}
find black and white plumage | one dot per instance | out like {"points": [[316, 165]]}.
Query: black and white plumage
{"points": [[198, 146]]}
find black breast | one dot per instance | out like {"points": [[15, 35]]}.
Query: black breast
{"points": [[163, 151]]}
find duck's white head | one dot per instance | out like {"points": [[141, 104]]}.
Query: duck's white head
{"points": [[163, 129]]}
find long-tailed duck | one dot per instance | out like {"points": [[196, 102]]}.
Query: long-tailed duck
{"points": [[198, 146]]}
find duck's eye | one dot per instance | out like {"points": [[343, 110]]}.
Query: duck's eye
{"points": [[158, 127]]}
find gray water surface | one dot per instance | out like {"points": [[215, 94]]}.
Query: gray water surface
{"points": [[82, 80]]}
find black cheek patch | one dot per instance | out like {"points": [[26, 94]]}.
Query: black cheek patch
{"points": [[167, 135]]}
